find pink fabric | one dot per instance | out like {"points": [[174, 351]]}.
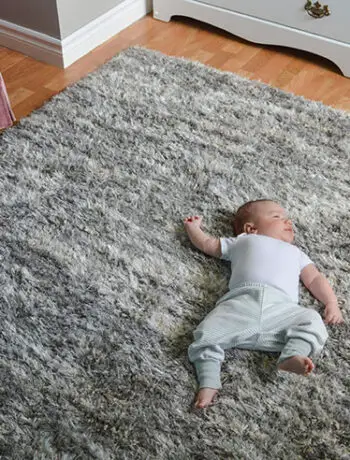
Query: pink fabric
{"points": [[6, 115]]}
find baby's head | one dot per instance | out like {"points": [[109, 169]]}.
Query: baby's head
{"points": [[264, 217]]}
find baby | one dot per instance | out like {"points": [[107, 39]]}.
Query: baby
{"points": [[260, 311]]}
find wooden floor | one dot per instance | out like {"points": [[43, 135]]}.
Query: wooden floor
{"points": [[30, 83]]}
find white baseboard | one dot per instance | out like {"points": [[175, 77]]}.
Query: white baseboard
{"points": [[62, 53], [35, 44]]}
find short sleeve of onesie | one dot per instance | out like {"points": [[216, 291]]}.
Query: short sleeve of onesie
{"points": [[304, 260], [227, 244]]}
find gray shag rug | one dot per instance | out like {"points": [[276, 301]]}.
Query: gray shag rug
{"points": [[101, 289]]}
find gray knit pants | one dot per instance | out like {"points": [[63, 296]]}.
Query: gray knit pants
{"points": [[255, 317]]}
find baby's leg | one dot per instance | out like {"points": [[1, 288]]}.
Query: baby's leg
{"points": [[207, 354], [233, 323], [306, 336], [297, 332]]}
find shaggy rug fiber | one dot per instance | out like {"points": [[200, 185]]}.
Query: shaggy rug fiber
{"points": [[101, 289]]}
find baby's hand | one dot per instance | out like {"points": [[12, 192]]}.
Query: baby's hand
{"points": [[193, 221], [333, 314]]}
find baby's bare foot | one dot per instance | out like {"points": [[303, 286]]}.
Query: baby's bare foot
{"points": [[297, 364], [205, 397]]}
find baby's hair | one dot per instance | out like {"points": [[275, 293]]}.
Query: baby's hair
{"points": [[244, 214]]}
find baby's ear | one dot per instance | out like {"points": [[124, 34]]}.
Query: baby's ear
{"points": [[249, 227]]}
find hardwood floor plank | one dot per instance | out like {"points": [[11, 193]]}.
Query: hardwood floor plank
{"points": [[20, 95], [198, 55], [28, 73], [283, 80], [32, 102], [272, 68], [259, 60], [241, 59], [9, 59]]}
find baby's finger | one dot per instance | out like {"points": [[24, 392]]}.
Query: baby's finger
{"points": [[333, 320]]}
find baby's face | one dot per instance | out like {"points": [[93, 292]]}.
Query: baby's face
{"points": [[270, 219]]}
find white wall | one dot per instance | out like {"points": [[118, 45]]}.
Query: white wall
{"points": [[38, 15], [56, 18], [73, 14]]}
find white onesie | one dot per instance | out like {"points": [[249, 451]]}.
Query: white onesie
{"points": [[262, 259]]}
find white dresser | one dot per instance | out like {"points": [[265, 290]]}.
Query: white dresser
{"points": [[323, 29]]}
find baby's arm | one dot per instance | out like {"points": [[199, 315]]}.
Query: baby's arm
{"points": [[202, 241], [320, 288]]}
